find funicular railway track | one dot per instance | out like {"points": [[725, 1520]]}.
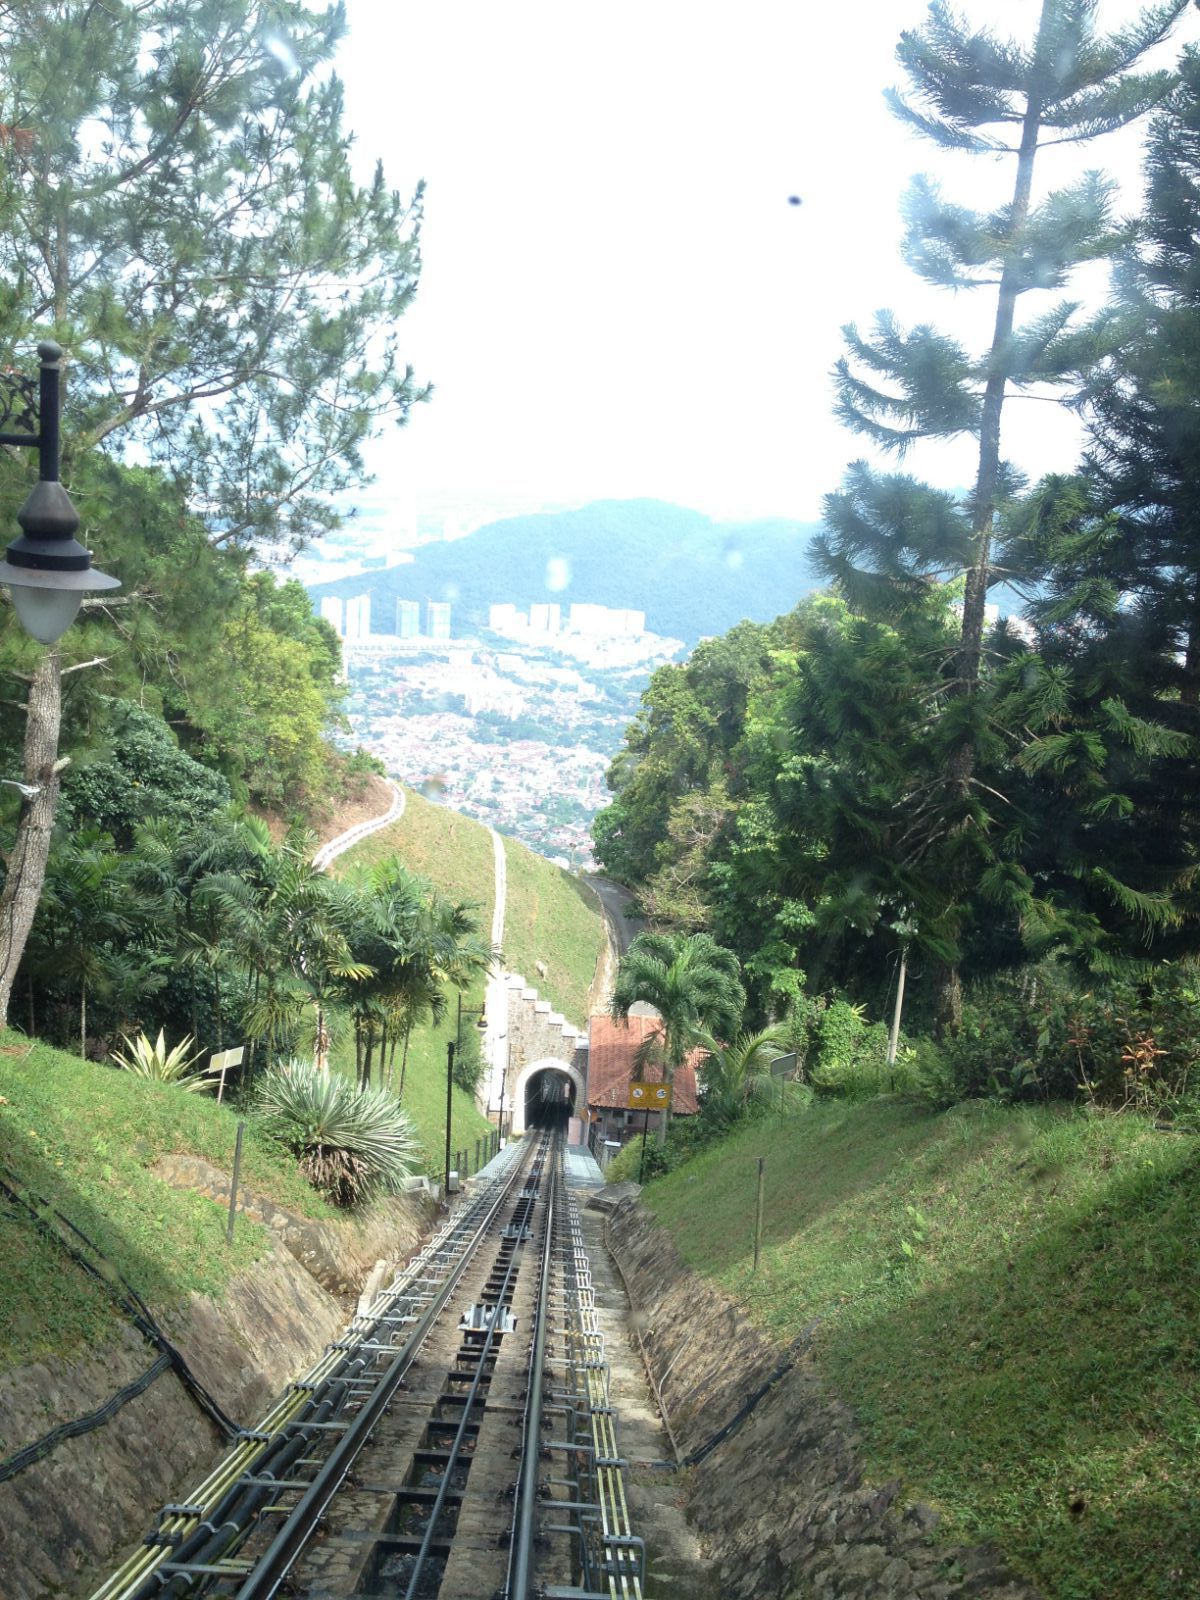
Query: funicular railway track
{"points": [[456, 1442]]}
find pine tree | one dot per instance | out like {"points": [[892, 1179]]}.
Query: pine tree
{"points": [[177, 210], [1115, 695], [972, 91]]}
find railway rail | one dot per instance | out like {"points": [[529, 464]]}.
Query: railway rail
{"points": [[456, 1442]]}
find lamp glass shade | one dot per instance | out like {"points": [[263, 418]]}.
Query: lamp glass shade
{"points": [[46, 614]]}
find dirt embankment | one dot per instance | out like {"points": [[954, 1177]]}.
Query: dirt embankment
{"points": [[67, 1518], [780, 1498]]}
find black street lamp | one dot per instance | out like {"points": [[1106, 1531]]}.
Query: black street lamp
{"points": [[47, 570]]}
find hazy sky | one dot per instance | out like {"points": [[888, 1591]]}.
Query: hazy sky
{"points": [[617, 298]]}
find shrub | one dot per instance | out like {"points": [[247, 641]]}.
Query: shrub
{"points": [[160, 1065], [353, 1144], [469, 1064], [1125, 1043]]}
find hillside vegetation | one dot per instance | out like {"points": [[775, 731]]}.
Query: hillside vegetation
{"points": [[86, 1136], [550, 916], [451, 850], [553, 918], [1009, 1299]]}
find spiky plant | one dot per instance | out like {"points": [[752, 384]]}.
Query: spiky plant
{"points": [[162, 1065], [734, 1076], [353, 1144]]}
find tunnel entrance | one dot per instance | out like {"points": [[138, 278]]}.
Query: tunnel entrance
{"points": [[549, 1098]]}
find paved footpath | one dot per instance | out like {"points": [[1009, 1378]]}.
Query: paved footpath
{"points": [[345, 841]]}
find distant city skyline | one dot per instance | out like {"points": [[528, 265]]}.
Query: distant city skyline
{"points": [[617, 299]]}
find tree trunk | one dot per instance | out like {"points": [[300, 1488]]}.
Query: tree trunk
{"points": [[947, 1021], [31, 847], [961, 765], [894, 1036], [83, 1019], [404, 1061], [321, 1046]]}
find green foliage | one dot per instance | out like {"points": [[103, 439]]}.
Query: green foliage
{"points": [[469, 1065], [735, 1079], [1027, 1365], [353, 1144], [162, 1065], [139, 772], [1131, 1043], [229, 295]]}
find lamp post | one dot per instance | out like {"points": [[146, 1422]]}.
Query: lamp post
{"points": [[480, 1013], [48, 572]]}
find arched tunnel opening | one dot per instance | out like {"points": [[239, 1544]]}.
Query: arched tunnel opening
{"points": [[549, 1099]]}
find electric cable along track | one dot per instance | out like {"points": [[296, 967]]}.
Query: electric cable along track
{"points": [[456, 1442]]}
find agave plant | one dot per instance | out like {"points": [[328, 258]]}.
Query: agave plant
{"points": [[156, 1062], [352, 1143]]}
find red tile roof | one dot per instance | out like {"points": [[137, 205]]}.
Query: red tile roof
{"points": [[611, 1069]]}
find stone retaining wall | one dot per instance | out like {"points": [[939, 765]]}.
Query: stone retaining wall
{"points": [[781, 1502], [338, 1254], [69, 1518], [535, 1029]]}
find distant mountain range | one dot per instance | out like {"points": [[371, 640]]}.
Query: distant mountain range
{"points": [[690, 575]]}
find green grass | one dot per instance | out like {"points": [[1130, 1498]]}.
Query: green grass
{"points": [[452, 851], [1009, 1300], [85, 1135], [554, 918]]}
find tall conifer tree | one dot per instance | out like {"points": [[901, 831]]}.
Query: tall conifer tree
{"points": [[971, 91]]}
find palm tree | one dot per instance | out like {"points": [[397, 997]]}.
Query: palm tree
{"points": [[733, 1076], [693, 983]]}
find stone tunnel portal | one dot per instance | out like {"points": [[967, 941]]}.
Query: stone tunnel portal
{"points": [[546, 1091]]}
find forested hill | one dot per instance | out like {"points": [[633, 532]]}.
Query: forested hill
{"points": [[690, 575]]}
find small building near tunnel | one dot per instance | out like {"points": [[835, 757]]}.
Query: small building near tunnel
{"points": [[612, 1067]]}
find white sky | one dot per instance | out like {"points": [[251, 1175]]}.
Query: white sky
{"points": [[617, 298]]}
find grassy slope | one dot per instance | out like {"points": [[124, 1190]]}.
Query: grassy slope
{"points": [[455, 854], [1010, 1300], [452, 851], [84, 1135], [554, 918]]}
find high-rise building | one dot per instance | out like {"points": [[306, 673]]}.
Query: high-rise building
{"points": [[408, 618], [358, 616], [590, 619], [331, 612], [545, 619], [504, 618], [437, 619]]}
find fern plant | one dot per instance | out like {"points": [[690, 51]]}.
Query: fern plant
{"points": [[162, 1065], [353, 1144]]}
